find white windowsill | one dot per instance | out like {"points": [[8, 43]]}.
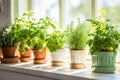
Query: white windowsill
{"points": [[61, 73]]}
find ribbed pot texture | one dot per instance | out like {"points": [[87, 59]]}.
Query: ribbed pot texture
{"points": [[104, 62]]}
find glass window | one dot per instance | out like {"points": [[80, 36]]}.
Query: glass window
{"points": [[113, 7], [80, 8], [52, 8], [45, 8]]}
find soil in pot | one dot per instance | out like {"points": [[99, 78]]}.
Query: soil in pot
{"points": [[39, 56]]}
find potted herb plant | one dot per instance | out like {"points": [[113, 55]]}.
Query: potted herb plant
{"points": [[39, 39], [23, 29], [39, 49], [8, 45], [103, 45], [56, 45], [77, 36]]}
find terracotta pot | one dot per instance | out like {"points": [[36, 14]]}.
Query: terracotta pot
{"points": [[9, 52], [39, 61], [25, 59], [27, 53], [26, 56], [39, 54], [1, 55], [10, 60]]}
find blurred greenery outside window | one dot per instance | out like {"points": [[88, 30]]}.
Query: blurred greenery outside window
{"points": [[76, 9], [79, 9], [44, 8], [113, 9]]}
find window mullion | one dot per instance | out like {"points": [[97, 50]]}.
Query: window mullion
{"points": [[95, 7], [14, 9], [63, 13]]}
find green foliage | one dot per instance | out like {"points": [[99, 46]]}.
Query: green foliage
{"points": [[31, 32], [55, 41], [6, 38], [77, 36], [23, 30], [41, 31], [104, 38]]}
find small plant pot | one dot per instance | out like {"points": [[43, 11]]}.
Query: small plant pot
{"points": [[10, 55], [103, 62], [27, 53], [1, 55], [40, 61], [10, 60], [9, 52], [39, 56], [26, 56], [58, 58], [25, 59], [78, 58]]}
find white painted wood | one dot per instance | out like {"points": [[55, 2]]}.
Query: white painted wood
{"points": [[33, 73], [45, 72]]}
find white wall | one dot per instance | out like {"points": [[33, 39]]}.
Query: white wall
{"points": [[5, 14]]}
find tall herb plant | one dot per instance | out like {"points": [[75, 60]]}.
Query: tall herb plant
{"points": [[77, 35]]}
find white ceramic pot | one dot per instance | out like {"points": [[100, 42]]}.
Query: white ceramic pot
{"points": [[78, 58], [59, 55], [59, 58]]}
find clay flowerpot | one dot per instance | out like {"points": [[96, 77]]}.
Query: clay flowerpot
{"points": [[10, 60], [39, 56], [78, 58], [9, 52], [26, 56], [59, 57], [10, 55], [1, 55]]}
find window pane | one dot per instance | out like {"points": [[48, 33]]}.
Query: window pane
{"points": [[52, 8], [45, 8], [113, 7], [80, 8]]}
